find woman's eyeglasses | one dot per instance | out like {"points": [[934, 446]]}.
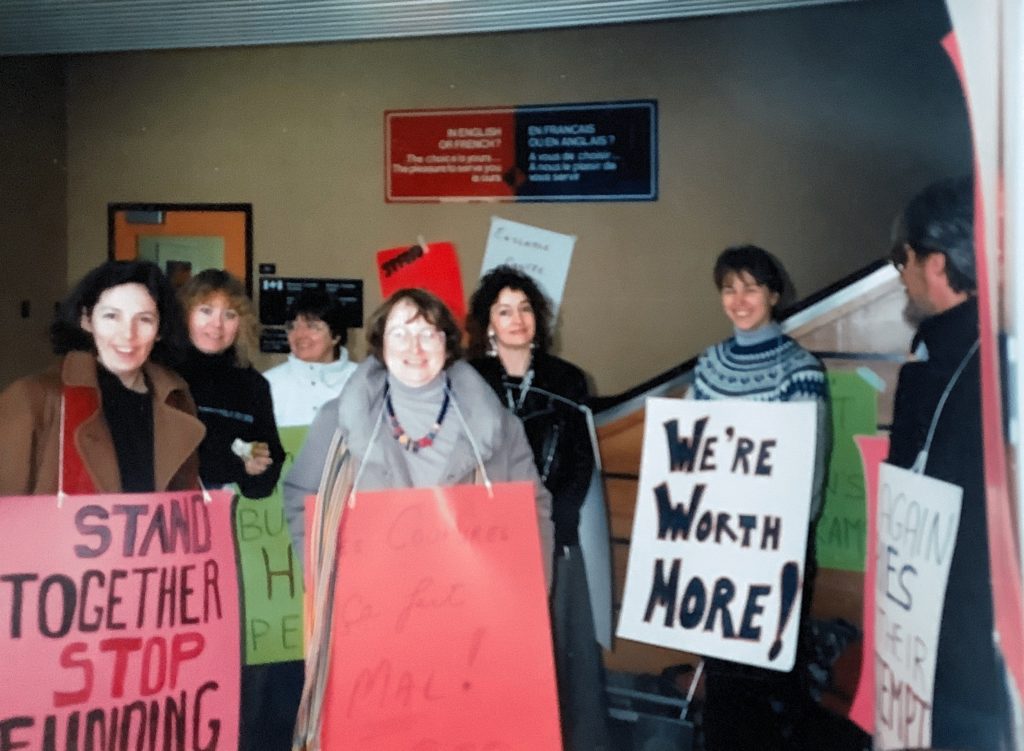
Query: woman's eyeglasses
{"points": [[401, 338]]}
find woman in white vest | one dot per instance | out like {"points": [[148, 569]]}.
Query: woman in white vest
{"points": [[318, 365]]}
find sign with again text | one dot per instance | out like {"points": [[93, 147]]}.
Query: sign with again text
{"points": [[917, 520]]}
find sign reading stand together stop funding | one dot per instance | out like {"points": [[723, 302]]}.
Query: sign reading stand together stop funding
{"points": [[118, 623]]}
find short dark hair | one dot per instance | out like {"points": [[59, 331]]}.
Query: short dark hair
{"points": [[430, 308], [490, 286], [67, 334], [317, 305], [754, 260], [940, 219]]}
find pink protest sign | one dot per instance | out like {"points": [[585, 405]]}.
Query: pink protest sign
{"points": [[118, 622], [433, 266], [441, 638], [873, 450]]}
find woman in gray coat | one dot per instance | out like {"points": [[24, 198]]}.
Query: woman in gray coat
{"points": [[411, 415]]}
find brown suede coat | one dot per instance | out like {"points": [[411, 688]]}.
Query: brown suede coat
{"points": [[30, 431]]}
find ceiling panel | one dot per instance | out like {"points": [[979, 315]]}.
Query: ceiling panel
{"points": [[33, 27]]}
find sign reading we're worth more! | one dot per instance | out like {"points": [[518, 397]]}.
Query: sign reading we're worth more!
{"points": [[716, 557]]}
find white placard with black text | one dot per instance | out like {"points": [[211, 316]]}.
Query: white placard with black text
{"points": [[716, 557], [918, 517], [541, 253]]}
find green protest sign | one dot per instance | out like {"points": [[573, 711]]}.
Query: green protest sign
{"points": [[271, 573], [843, 525]]}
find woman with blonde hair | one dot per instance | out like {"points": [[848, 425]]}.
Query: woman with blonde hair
{"points": [[241, 447], [233, 399]]}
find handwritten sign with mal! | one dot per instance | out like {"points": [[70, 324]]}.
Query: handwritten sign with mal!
{"points": [[917, 522], [441, 637], [716, 557], [118, 623]]}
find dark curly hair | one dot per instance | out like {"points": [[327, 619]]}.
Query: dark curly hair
{"points": [[430, 308], [67, 334], [491, 285]]}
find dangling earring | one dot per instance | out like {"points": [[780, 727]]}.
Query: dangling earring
{"points": [[492, 343]]}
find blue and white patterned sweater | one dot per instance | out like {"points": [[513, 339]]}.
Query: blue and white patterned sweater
{"points": [[767, 366]]}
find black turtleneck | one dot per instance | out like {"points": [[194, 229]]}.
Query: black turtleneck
{"points": [[129, 416], [966, 669], [233, 402]]}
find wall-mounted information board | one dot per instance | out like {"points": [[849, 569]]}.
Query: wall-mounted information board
{"points": [[604, 151], [278, 293]]}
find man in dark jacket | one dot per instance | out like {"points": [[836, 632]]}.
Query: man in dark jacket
{"points": [[933, 249]]}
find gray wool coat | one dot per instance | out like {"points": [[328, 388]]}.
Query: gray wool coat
{"points": [[379, 461]]}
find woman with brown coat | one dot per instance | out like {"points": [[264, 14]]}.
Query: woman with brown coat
{"points": [[106, 418]]}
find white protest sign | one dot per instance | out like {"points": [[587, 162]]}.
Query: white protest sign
{"points": [[918, 518], [716, 557], [541, 253]]}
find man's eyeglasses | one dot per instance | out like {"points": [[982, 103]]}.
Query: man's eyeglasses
{"points": [[401, 338]]}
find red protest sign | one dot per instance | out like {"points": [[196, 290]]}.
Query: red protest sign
{"points": [[441, 637], [118, 622], [873, 450], [433, 267]]}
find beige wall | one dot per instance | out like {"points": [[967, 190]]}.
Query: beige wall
{"points": [[33, 216], [799, 130]]}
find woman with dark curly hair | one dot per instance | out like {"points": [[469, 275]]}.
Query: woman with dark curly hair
{"points": [[107, 418], [412, 415], [509, 325]]}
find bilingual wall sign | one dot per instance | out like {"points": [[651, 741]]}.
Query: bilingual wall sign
{"points": [[604, 151], [716, 558]]}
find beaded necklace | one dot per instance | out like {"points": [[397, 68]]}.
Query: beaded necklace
{"points": [[398, 432]]}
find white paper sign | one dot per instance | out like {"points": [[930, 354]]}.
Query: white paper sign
{"points": [[918, 518], [541, 253], [716, 557]]}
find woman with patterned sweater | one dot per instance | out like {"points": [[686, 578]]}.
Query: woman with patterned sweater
{"points": [[748, 707]]}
